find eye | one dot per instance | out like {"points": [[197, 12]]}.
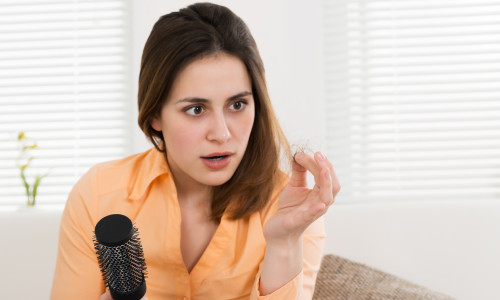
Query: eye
{"points": [[238, 105], [194, 110]]}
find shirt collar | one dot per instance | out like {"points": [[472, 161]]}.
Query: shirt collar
{"points": [[150, 165]]}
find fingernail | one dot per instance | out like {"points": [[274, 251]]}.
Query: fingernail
{"points": [[299, 156], [321, 156]]}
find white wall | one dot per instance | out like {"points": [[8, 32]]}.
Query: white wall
{"points": [[288, 34]]}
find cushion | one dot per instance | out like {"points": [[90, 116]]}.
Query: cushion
{"points": [[340, 278]]}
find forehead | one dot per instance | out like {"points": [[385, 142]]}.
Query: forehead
{"points": [[211, 77]]}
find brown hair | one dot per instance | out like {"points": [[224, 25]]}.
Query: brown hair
{"points": [[192, 33]]}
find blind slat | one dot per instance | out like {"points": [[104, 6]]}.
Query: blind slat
{"points": [[413, 5], [65, 81]]}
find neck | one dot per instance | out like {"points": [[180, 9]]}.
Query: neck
{"points": [[189, 191], [192, 195]]}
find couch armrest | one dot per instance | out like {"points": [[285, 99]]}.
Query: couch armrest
{"points": [[342, 279]]}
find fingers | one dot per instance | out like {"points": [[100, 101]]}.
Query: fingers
{"points": [[313, 164], [308, 163], [299, 174], [324, 175], [106, 296], [325, 188], [335, 180]]}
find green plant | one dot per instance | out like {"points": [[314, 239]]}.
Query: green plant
{"points": [[23, 161]]}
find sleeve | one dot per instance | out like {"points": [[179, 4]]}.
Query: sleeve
{"points": [[77, 274], [292, 290], [301, 286], [313, 244]]}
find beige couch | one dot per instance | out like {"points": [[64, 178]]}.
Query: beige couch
{"points": [[342, 279]]}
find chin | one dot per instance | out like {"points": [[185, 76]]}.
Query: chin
{"points": [[218, 182], [217, 179]]}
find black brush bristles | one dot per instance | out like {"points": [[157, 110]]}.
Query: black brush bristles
{"points": [[120, 256]]}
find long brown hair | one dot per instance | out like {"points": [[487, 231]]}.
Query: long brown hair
{"points": [[192, 33]]}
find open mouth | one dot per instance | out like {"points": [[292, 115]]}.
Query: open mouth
{"points": [[217, 161], [216, 158]]}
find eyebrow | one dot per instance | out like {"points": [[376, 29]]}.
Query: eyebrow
{"points": [[202, 100]]}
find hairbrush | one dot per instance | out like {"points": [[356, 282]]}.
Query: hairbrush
{"points": [[120, 256]]}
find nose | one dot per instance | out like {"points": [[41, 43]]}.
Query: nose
{"points": [[218, 131]]}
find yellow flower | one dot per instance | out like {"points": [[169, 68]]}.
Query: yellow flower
{"points": [[21, 135], [30, 147]]}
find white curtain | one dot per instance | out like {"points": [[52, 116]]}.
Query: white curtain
{"points": [[65, 81], [413, 93]]}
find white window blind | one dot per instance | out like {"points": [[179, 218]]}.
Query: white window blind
{"points": [[413, 98], [65, 81]]}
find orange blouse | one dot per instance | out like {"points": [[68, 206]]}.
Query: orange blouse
{"points": [[141, 187]]}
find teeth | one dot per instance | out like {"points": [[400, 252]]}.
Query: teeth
{"points": [[216, 157]]}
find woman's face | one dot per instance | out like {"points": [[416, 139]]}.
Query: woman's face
{"points": [[207, 119]]}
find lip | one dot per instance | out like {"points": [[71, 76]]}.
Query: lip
{"points": [[217, 154], [217, 164]]}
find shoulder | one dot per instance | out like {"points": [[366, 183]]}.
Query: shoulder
{"points": [[108, 185], [106, 177]]}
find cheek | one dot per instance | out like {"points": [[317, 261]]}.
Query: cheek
{"points": [[248, 124], [182, 137], [242, 129]]}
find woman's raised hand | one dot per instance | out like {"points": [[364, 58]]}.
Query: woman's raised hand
{"points": [[298, 205]]}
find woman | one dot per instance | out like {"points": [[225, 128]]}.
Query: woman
{"points": [[217, 217]]}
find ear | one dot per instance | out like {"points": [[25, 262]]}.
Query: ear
{"points": [[156, 124]]}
